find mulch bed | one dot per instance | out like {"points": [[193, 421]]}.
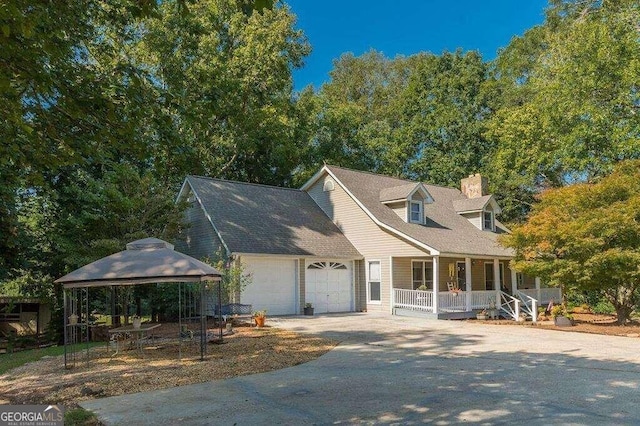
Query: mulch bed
{"points": [[584, 322], [249, 350]]}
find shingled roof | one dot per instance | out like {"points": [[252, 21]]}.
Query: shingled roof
{"points": [[445, 230], [262, 219]]}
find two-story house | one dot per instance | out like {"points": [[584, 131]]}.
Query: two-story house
{"points": [[354, 241]]}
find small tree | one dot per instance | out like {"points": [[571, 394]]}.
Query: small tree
{"points": [[234, 277], [587, 237]]}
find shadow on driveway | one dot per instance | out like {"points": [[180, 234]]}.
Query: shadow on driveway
{"points": [[392, 370]]}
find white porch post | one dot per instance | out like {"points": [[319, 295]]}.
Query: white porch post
{"points": [[496, 281], [436, 283], [391, 291], [514, 280], [467, 278], [538, 288]]}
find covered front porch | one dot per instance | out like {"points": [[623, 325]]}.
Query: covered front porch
{"points": [[451, 287]]}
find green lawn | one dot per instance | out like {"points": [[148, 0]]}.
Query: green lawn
{"points": [[16, 359]]}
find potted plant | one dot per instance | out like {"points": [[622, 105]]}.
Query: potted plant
{"points": [[482, 315], [308, 309], [493, 312], [260, 317], [561, 317]]}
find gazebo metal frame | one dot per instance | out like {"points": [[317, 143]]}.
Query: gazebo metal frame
{"points": [[145, 261]]}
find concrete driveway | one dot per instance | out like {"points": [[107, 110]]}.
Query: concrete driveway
{"points": [[394, 370]]}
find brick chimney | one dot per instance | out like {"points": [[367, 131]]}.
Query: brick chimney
{"points": [[475, 186]]}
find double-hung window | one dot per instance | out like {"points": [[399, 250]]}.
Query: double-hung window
{"points": [[422, 272], [487, 218], [373, 281], [415, 212], [489, 278]]}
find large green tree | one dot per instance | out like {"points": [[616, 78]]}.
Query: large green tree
{"points": [[567, 100], [419, 117], [222, 73], [587, 237]]}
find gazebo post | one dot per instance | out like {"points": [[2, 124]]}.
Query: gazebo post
{"points": [[203, 319], [180, 321], [64, 330], [220, 308]]}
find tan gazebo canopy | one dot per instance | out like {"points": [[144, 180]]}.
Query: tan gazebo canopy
{"points": [[145, 261], [149, 260]]}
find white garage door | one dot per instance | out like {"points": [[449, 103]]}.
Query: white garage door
{"points": [[328, 286], [273, 285]]}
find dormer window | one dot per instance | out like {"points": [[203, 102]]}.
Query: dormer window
{"points": [[487, 221], [415, 212]]}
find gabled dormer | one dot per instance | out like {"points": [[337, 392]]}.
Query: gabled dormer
{"points": [[480, 208], [407, 201]]}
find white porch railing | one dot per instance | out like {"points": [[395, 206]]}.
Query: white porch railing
{"points": [[483, 299], [449, 301], [524, 301], [416, 300], [543, 295]]}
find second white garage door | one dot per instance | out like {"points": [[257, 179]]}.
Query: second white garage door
{"points": [[328, 286], [273, 285]]}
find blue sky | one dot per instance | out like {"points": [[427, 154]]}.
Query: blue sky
{"points": [[405, 27]]}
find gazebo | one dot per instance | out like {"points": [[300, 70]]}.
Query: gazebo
{"points": [[145, 261]]}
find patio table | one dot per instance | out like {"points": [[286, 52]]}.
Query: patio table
{"points": [[129, 330]]}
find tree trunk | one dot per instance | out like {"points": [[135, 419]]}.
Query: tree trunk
{"points": [[623, 313], [624, 301]]}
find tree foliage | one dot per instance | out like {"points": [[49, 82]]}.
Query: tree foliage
{"points": [[223, 81], [586, 237], [568, 99], [419, 117], [106, 106]]}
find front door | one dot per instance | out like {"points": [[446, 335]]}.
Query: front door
{"points": [[462, 275]]}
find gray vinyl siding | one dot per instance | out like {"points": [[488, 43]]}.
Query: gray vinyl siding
{"points": [[369, 239], [199, 239]]}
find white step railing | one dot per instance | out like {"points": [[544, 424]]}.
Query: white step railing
{"points": [[509, 305], [528, 305]]}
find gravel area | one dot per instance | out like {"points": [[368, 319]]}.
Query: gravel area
{"points": [[246, 351]]}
